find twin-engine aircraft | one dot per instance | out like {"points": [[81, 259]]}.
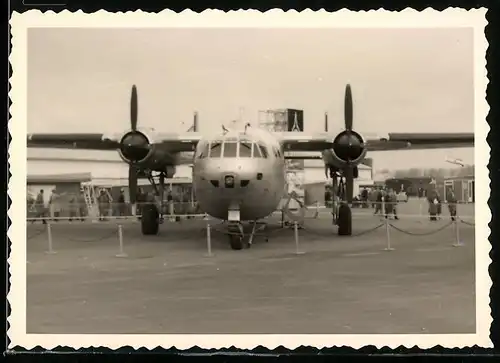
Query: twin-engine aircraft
{"points": [[240, 175]]}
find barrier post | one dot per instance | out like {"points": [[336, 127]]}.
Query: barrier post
{"points": [[120, 240], [388, 236], [209, 241], [50, 250], [457, 242], [296, 234]]}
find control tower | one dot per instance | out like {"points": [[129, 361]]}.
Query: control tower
{"points": [[283, 120]]}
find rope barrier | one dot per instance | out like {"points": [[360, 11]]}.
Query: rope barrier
{"points": [[428, 233], [472, 224], [329, 233], [101, 238]]}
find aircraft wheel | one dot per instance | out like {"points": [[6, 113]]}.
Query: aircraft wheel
{"points": [[150, 221], [236, 242], [344, 220]]}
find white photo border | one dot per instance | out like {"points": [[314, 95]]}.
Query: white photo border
{"points": [[451, 17]]}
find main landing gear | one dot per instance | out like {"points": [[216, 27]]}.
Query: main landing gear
{"points": [[342, 214], [152, 211], [344, 220]]}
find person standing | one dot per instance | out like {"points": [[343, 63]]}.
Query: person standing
{"points": [[364, 198], [378, 201], [55, 205], [103, 201], [391, 204], [433, 200], [452, 205], [81, 206], [121, 204], [73, 207], [40, 207]]}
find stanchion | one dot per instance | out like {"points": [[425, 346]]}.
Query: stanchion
{"points": [[209, 241], [296, 234], [388, 236], [120, 239], [457, 242], [50, 250]]}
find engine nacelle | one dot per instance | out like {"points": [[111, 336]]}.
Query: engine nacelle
{"points": [[139, 148]]}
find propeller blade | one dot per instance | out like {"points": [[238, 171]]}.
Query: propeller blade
{"points": [[133, 108], [349, 184], [132, 183], [348, 111]]}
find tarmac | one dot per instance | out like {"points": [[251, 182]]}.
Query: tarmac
{"points": [[169, 284]]}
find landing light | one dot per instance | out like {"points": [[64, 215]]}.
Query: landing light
{"points": [[229, 181]]}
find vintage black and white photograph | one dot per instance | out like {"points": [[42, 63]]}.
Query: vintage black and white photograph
{"points": [[246, 178]]}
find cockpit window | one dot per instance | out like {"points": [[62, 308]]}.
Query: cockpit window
{"points": [[230, 149], [245, 149], [215, 149], [276, 152], [264, 151], [256, 151], [204, 150]]}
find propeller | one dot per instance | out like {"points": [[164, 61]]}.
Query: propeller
{"points": [[348, 118], [132, 169]]}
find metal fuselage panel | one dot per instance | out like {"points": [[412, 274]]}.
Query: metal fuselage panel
{"points": [[255, 199]]}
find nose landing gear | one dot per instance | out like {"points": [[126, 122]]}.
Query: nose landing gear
{"points": [[237, 236]]}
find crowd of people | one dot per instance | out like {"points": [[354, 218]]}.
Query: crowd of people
{"points": [[74, 206], [384, 201]]}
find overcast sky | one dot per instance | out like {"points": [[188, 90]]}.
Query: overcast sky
{"points": [[413, 80]]}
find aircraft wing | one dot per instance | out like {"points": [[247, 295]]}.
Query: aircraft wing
{"points": [[299, 141], [173, 142]]}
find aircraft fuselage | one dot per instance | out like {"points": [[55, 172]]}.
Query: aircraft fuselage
{"points": [[242, 171]]}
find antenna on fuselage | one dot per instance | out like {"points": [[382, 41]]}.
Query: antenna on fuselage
{"points": [[224, 130], [195, 121], [326, 121], [194, 126]]}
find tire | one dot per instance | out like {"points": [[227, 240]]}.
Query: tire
{"points": [[150, 221], [236, 242], [344, 220]]}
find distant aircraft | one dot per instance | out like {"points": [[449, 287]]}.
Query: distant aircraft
{"points": [[455, 161], [240, 175]]}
